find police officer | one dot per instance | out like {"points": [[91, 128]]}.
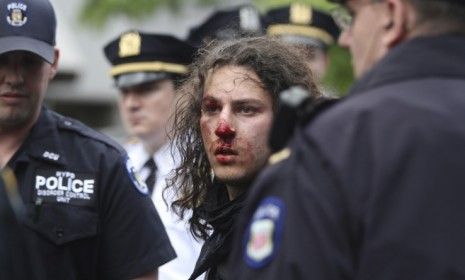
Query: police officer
{"points": [[235, 22], [89, 215], [308, 27], [147, 69], [372, 188]]}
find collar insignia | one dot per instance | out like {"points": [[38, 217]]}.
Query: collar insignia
{"points": [[279, 156], [50, 155]]}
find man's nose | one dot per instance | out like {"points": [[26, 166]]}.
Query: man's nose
{"points": [[13, 75], [225, 130], [131, 99]]}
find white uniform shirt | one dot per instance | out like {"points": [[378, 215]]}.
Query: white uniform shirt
{"points": [[186, 247]]}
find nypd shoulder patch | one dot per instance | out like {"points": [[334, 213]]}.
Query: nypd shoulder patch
{"points": [[137, 182], [264, 233]]}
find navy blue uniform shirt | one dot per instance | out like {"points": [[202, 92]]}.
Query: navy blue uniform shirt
{"points": [[18, 255], [87, 214], [373, 187]]}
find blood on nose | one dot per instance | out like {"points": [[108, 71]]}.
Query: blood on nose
{"points": [[224, 130]]}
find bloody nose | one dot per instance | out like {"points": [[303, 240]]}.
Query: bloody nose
{"points": [[224, 130]]}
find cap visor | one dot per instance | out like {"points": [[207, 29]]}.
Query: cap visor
{"points": [[17, 43], [133, 79], [303, 40]]}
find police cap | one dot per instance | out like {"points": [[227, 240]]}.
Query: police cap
{"points": [[244, 20], [28, 25], [142, 57], [300, 23]]}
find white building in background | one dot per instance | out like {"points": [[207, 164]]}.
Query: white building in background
{"points": [[83, 88]]}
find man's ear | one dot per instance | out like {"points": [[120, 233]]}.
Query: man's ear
{"points": [[394, 22], [54, 68]]}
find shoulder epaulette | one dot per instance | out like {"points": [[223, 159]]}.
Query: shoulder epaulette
{"points": [[70, 124]]}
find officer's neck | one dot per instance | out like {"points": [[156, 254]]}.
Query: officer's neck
{"points": [[152, 145]]}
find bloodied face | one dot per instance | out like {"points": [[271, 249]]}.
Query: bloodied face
{"points": [[236, 117]]}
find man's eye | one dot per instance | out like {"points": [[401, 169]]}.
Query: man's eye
{"points": [[32, 61], [210, 108], [149, 88], [247, 110]]}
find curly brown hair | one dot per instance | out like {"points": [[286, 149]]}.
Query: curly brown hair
{"points": [[277, 64]]}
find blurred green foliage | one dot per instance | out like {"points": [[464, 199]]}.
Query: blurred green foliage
{"points": [[96, 12], [339, 75], [322, 4]]}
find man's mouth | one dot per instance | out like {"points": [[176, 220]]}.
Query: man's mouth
{"points": [[225, 155], [227, 151], [12, 94], [12, 97]]}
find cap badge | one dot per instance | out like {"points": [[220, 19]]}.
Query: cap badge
{"points": [[129, 44], [300, 14], [249, 19], [16, 14]]}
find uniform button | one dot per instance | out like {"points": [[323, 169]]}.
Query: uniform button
{"points": [[59, 232], [68, 123]]}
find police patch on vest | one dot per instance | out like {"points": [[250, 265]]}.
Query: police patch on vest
{"points": [[264, 233], [60, 186], [137, 182]]}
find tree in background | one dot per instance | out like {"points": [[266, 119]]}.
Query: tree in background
{"points": [[96, 13]]}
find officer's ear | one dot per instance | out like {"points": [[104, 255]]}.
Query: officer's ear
{"points": [[395, 21], [54, 68]]}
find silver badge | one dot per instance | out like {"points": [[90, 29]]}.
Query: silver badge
{"points": [[249, 19]]}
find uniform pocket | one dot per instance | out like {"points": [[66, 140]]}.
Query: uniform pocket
{"points": [[62, 223]]}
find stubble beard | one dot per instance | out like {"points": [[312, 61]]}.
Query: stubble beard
{"points": [[11, 119]]}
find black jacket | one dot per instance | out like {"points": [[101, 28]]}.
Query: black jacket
{"points": [[222, 215], [374, 187]]}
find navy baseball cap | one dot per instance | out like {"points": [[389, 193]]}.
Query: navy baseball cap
{"points": [[28, 25], [138, 57]]}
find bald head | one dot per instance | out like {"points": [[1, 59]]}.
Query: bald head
{"points": [[379, 25], [440, 16], [436, 16]]}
